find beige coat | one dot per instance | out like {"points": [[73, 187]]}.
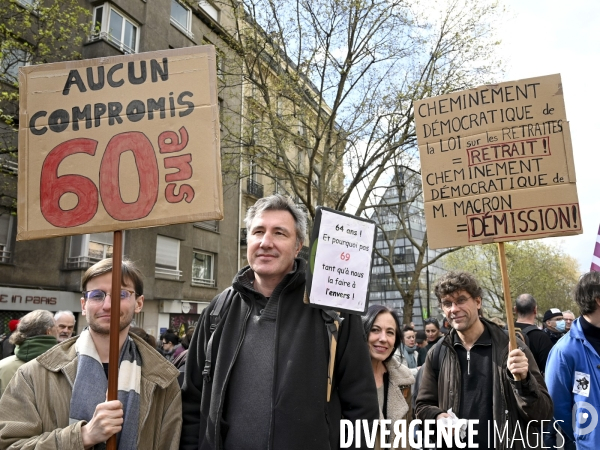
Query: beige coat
{"points": [[34, 410], [397, 407]]}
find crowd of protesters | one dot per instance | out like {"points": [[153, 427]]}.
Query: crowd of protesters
{"points": [[259, 370]]}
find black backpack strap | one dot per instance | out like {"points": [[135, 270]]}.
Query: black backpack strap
{"points": [[528, 329], [439, 353], [222, 304]]}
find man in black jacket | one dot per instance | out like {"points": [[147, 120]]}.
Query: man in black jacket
{"points": [[539, 342], [473, 376], [264, 383]]}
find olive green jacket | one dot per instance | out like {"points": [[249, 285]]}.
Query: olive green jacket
{"points": [[30, 349], [34, 410]]}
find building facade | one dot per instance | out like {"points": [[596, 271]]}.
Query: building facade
{"points": [[399, 215], [184, 265]]}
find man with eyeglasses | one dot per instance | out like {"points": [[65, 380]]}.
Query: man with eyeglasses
{"points": [[569, 318], [471, 372], [59, 399]]}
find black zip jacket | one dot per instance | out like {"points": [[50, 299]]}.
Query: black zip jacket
{"points": [[510, 408], [301, 417]]}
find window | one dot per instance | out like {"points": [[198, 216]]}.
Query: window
{"points": [[253, 170], [112, 26], [167, 258], [88, 249], [221, 109], [6, 224], [300, 166], [209, 9], [203, 273], [210, 225], [10, 61], [220, 64], [181, 17]]}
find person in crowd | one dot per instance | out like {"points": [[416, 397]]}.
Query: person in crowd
{"points": [[170, 346], [58, 400], [264, 384], [554, 324], [572, 371], [151, 340], [472, 372], [538, 342], [35, 333], [433, 332], [421, 341], [180, 360], [8, 348], [65, 320], [393, 380], [569, 318], [408, 352], [185, 341]]}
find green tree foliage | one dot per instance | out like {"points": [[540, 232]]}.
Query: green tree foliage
{"points": [[534, 267], [31, 32]]}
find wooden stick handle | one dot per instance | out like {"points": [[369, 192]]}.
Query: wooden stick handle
{"points": [[330, 369], [115, 319], [507, 301]]}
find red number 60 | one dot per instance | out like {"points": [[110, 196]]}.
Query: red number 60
{"points": [[53, 187]]}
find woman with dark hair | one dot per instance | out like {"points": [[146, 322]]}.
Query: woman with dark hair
{"points": [[433, 332], [393, 380]]}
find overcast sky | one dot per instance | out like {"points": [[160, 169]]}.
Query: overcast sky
{"points": [[546, 37]]}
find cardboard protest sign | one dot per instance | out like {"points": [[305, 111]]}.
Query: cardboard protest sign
{"points": [[341, 247], [121, 142], [497, 164]]}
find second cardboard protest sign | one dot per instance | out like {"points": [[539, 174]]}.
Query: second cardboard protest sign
{"points": [[497, 164], [117, 143]]}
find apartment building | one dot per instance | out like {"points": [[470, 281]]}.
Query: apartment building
{"points": [[402, 201], [264, 149]]}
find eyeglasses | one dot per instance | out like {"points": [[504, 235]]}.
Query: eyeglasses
{"points": [[98, 295], [460, 301], [433, 321]]}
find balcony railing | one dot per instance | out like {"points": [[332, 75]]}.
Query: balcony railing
{"points": [[254, 188], [10, 166], [80, 262], [203, 282], [4, 254], [163, 272], [103, 35]]}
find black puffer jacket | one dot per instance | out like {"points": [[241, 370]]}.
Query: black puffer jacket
{"points": [[534, 402], [301, 417]]}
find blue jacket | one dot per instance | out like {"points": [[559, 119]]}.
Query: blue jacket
{"points": [[573, 353]]}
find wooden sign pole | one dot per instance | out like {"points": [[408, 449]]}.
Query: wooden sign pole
{"points": [[507, 301], [115, 320]]}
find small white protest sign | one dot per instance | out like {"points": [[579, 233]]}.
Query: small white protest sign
{"points": [[341, 253]]}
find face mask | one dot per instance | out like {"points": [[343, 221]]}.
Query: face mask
{"points": [[560, 325]]}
